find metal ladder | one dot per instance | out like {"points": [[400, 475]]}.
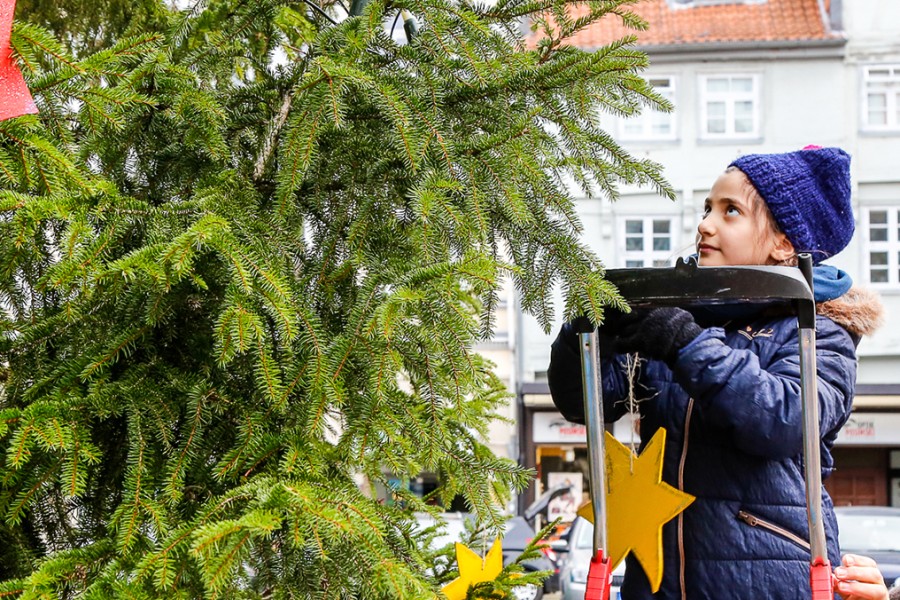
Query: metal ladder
{"points": [[689, 285]]}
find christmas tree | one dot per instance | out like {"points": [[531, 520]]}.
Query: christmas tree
{"points": [[246, 249]]}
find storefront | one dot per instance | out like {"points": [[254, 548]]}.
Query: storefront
{"points": [[557, 449], [867, 452]]}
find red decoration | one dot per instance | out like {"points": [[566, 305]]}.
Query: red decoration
{"points": [[15, 99]]}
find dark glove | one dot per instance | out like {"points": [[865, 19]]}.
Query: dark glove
{"points": [[614, 321], [659, 333], [564, 371]]}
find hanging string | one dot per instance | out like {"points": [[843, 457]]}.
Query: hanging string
{"points": [[632, 366]]}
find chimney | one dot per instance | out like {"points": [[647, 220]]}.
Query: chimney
{"points": [[836, 15]]}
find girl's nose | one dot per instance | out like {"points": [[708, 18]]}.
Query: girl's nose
{"points": [[705, 227]]}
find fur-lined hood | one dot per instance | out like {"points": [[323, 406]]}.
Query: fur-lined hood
{"points": [[859, 311]]}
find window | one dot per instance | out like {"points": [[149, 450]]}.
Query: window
{"points": [[729, 106], [501, 322], [882, 255], [652, 124], [881, 105], [647, 241]]}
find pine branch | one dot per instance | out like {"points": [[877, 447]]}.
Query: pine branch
{"points": [[230, 288]]}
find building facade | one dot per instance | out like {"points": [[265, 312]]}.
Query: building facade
{"points": [[750, 76]]}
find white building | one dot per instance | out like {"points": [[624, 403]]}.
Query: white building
{"points": [[750, 76]]}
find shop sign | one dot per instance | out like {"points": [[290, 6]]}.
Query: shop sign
{"points": [[552, 428], [862, 429], [870, 429]]}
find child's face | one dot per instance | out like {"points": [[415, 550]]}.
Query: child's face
{"points": [[733, 231]]}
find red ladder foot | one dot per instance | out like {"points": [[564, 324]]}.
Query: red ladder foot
{"points": [[598, 579]]}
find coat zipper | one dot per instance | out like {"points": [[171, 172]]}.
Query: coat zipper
{"points": [[754, 521], [684, 448]]}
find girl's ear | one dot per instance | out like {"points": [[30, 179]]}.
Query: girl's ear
{"points": [[782, 249]]}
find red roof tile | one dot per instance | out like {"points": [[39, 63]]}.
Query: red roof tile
{"points": [[759, 21]]}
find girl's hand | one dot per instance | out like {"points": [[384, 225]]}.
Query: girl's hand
{"points": [[659, 333], [858, 578]]}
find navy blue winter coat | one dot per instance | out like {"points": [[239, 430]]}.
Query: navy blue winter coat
{"points": [[731, 407]]}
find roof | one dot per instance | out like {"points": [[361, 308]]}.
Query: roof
{"points": [[674, 22]]}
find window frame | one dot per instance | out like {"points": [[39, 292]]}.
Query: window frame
{"points": [[646, 116], [892, 100], [730, 99], [651, 256], [890, 246]]}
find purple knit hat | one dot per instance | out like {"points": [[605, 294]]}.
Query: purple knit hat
{"points": [[808, 193]]}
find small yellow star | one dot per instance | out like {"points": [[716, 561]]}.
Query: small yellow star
{"points": [[638, 504], [472, 569]]}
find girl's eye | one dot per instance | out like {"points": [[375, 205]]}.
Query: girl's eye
{"points": [[706, 210], [732, 210]]}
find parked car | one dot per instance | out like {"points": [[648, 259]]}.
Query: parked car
{"points": [[453, 529], [520, 530], [576, 564], [872, 531], [518, 533]]}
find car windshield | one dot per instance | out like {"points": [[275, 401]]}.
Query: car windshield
{"points": [[585, 536], [869, 533], [451, 531]]}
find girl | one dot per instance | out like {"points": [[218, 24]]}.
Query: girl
{"points": [[728, 391]]}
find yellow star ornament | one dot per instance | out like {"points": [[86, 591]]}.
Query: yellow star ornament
{"points": [[638, 504], [472, 569]]}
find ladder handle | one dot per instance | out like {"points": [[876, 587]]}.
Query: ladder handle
{"points": [[593, 420], [688, 285]]}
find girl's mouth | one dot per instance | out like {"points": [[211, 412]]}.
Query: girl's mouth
{"points": [[705, 248]]}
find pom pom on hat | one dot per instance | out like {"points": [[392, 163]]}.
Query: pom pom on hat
{"points": [[808, 194]]}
